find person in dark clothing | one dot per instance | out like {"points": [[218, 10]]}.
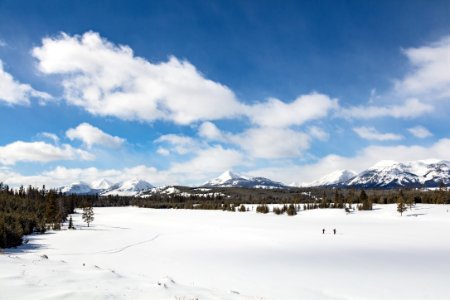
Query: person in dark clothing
{"points": [[334, 231], [323, 231]]}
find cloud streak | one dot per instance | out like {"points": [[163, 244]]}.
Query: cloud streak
{"points": [[12, 92]]}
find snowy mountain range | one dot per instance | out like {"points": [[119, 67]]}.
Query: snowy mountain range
{"points": [[105, 188], [392, 174], [230, 179], [333, 178]]}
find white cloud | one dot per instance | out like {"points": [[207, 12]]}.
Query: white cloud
{"points": [[13, 92], [40, 152], [210, 131], [430, 74], [91, 135], [262, 142], [208, 161], [180, 144], [163, 151], [275, 113], [318, 133], [271, 143], [370, 133], [48, 135], [420, 132], [3, 43], [108, 80], [411, 108]]}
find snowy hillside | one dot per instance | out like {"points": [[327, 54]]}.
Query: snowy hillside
{"points": [[128, 188], [80, 188], [389, 174], [101, 184], [104, 187], [334, 178], [135, 254], [230, 179]]}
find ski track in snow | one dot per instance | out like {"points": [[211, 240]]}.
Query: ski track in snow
{"points": [[115, 250]]}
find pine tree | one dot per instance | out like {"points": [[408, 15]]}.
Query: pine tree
{"points": [[291, 211], [52, 212], [364, 199], [88, 214], [401, 206], [71, 223]]}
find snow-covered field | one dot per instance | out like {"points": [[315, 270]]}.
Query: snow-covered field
{"points": [[136, 253]]}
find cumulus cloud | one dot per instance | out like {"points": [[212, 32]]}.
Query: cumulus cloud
{"points": [[370, 133], [91, 135], [208, 161], [180, 144], [210, 131], [420, 132], [271, 143], [262, 142], [40, 152], [13, 92], [430, 74], [411, 108], [276, 113], [109, 80]]}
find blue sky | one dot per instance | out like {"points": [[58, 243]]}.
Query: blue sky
{"points": [[179, 91]]}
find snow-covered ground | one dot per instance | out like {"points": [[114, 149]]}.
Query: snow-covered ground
{"points": [[137, 253]]}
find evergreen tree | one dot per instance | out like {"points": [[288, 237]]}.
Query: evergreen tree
{"points": [[52, 212], [71, 223], [401, 205], [88, 214], [291, 211], [364, 200]]}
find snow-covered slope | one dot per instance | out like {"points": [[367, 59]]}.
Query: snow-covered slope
{"points": [[80, 188], [334, 178], [101, 184], [230, 179], [391, 174], [131, 253], [128, 188]]}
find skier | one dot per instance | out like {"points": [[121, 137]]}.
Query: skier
{"points": [[334, 230], [323, 231]]}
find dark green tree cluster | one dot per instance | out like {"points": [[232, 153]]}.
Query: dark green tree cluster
{"points": [[30, 210], [263, 209]]}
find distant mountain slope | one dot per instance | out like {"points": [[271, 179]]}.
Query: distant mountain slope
{"points": [[104, 188], [230, 179], [334, 178], [128, 188], [392, 174], [79, 188]]}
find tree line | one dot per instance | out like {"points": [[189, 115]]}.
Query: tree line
{"points": [[31, 210]]}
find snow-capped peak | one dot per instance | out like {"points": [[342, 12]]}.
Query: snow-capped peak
{"points": [[230, 179], [428, 173], [78, 187], [384, 164], [101, 184], [128, 188], [333, 178], [227, 175]]}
